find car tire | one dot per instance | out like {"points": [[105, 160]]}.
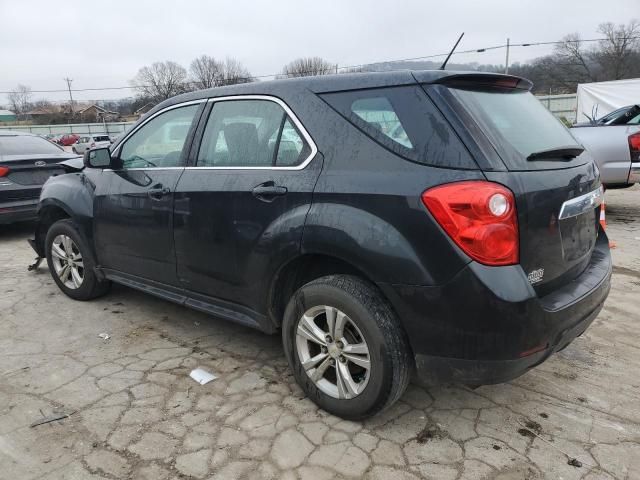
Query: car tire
{"points": [[366, 319], [74, 150], [75, 273]]}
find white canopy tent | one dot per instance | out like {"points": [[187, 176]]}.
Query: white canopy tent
{"points": [[597, 99]]}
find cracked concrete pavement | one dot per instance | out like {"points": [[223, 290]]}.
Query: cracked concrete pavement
{"points": [[137, 414]]}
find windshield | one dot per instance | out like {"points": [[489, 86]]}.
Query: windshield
{"points": [[517, 124], [27, 145]]}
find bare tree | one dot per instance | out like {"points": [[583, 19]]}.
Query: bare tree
{"points": [[233, 71], [619, 53], [161, 80], [574, 61], [43, 104], [307, 66], [206, 72], [19, 99]]}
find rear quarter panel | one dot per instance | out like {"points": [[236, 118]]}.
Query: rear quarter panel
{"points": [[367, 208]]}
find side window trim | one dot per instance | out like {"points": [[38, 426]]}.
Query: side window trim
{"points": [[289, 114], [276, 147], [190, 136]]}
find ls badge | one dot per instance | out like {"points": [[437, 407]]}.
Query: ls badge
{"points": [[535, 276]]}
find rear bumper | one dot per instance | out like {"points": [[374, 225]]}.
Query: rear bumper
{"points": [[18, 211], [488, 325]]}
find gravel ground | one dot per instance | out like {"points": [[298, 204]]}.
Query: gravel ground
{"points": [[137, 414]]}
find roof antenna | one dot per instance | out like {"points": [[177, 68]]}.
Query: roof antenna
{"points": [[444, 64]]}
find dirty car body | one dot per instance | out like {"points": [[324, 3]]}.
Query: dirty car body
{"points": [[477, 244]]}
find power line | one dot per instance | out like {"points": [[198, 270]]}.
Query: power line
{"points": [[347, 67]]}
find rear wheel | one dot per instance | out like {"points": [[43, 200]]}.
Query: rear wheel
{"points": [[346, 347], [71, 262]]}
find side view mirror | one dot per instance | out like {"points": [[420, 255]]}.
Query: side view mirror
{"points": [[98, 158]]}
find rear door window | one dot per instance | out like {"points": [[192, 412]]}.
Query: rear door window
{"points": [[251, 133], [405, 121], [517, 125]]}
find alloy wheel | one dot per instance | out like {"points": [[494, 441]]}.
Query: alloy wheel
{"points": [[333, 352], [67, 261]]}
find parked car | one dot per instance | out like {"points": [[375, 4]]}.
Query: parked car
{"points": [[55, 138], [68, 140], [461, 240], [91, 141], [614, 142], [26, 162]]}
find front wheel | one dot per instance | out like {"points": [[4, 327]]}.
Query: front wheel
{"points": [[346, 347], [71, 262]]}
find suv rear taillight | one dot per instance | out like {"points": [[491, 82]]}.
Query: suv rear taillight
{"points": [[93, 144], [4, 171], [634, 147], [480, 217]]}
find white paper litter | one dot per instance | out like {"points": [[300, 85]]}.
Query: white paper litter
{"points": [[202, 376], [104, 336]]}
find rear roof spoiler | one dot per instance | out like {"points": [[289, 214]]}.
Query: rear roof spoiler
{"points": [[485, 80]]}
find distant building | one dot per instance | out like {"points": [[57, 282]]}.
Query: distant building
{"points": [[139, 112], [7, 116], [95, 113]]}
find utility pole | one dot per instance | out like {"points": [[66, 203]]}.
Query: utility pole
{"points": [[69, 80], [506, 62], [336, 68]]}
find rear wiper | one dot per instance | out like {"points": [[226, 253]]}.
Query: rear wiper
{"points": [[565, 152]]}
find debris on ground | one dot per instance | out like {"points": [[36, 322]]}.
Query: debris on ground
{"points": [[51, 418], [35, 264], [574, 462], [429, 432], [533, 426], [202, 376], [104, 336]]}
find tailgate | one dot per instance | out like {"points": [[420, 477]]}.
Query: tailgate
{"points": [[555, 183], [558, 214]]}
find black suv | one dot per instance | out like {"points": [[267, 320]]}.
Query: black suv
{"points": [[438, 222]]}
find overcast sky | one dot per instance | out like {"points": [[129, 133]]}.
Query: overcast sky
{"points": [[103, 44]]}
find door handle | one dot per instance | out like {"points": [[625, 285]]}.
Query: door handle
{"points": [[158, 192], [267, 192]]}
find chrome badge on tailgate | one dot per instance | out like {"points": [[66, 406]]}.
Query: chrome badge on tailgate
{"points": [[578, 225], [583, 203]]}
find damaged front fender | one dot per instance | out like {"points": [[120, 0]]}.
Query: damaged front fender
{"points": [[64, 196]]}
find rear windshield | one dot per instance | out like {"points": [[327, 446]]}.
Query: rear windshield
{"points": [[26, 145], [403, 120], [518, 125], [101, 138]]}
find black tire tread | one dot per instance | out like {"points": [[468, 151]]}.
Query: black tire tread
{"points": [[386, 319], [97, 287]]}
